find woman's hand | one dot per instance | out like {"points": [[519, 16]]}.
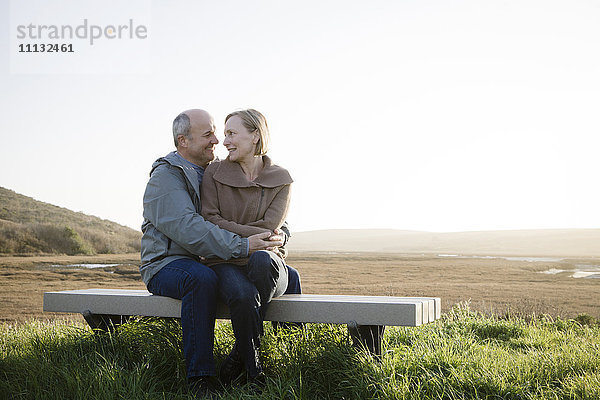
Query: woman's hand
{"points": [[264, 241], [278, 232]]}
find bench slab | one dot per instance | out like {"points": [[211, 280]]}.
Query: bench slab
{"points": [[309, 308]]}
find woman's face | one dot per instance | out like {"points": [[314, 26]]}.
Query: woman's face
{"points": [[240, 143]]}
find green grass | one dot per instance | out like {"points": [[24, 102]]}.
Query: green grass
{"points": [[463, 356]]}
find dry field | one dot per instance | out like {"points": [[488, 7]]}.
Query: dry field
{"points": [[491, 285]]}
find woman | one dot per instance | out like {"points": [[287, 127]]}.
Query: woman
{"points": [[247, 194]]}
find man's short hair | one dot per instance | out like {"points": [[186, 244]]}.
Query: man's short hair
{"points": [[255, 121], [181, 127]]}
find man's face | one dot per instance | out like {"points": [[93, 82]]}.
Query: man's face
{"points": [[199, 145]]}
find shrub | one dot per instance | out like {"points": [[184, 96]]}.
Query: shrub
{"points": [[586, 320], [111, 242], [15, 238], [62, 239]]}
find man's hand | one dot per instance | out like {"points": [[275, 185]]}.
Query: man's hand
{"points": [[264, 241]]}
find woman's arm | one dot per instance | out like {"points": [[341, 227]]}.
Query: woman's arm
{"points": [[210, 208]]}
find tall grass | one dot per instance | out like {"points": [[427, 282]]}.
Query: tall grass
{"points": [[463, 356], [31, 226], [63, 239]]}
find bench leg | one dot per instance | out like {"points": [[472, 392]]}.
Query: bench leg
{"points": [[367, 336], [104, 322]]}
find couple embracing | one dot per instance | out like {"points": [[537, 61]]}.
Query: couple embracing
{"points": [[215, 230]]}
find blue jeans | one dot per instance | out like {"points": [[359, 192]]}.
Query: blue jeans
{"points": [[293, 286], [196, 285], [247, 291]]}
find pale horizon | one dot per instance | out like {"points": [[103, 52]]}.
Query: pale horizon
{"points": [[422, 116], [348, 230]]}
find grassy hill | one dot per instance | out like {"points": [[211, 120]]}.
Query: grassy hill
{"points": [[28, 226]]}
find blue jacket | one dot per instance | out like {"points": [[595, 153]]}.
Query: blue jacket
{"points": [[173, 227]]}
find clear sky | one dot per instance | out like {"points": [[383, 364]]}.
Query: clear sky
{"points": [[425, 115]]}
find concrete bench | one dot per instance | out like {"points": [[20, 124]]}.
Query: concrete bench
{"points": [[365, 316]]}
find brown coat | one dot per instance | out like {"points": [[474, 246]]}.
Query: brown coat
{"points": [[245, 207]]}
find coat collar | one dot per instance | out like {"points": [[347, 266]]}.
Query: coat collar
{"points": [[230, 173]]}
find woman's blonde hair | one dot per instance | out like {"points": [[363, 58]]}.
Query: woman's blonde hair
{"points": [[255, 121]]}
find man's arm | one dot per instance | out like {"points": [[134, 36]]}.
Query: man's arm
{"points": [[169, 207]]}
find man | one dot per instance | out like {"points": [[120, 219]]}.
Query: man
{"points": [[176, 239]]}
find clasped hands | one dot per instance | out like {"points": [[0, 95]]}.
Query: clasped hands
{"points": [[265, 241]]}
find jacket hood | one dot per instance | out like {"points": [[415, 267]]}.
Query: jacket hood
{"points": [[174, 160], [170, 159]]}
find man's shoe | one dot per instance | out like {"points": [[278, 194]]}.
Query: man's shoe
{"points": [[231, 368], [202, 387]]}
